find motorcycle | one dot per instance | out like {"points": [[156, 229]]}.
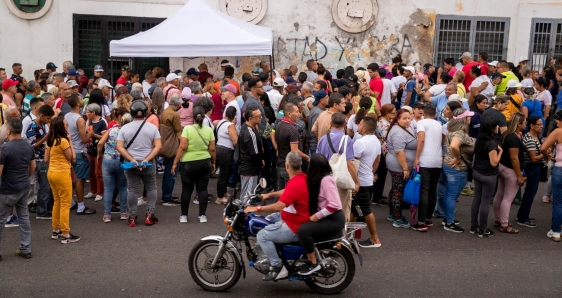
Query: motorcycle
{"points": [[216, 262]]}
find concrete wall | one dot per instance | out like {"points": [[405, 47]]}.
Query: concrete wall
{"points": [[302, 30]]}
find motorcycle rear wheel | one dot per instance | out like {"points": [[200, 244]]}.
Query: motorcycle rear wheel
{"points": [[200, 260], [326, 281]]}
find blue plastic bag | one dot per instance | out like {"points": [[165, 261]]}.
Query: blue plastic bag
{"points": [[128, 165], [412, 189]]}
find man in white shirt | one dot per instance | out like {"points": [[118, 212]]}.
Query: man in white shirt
{"points": [[389, 89], [276, 94], [430, 160], [228, 94], [147, 83]]}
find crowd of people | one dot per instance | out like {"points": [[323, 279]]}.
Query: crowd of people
{"points": [[473, 128]]}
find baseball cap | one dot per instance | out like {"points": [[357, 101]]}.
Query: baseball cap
{"points": [[257, 71], [513, 83], [192, 71], [177, 71], [73, 73], [98, 68], [426, 67], [497, 74], [353, 78], [186, 93], [50, 65], [125, 68], [9, 83], [466, 55], [104, 83], [151, 90], [521, 59], [407, 108], [72, 83], [493, 63], [278, 82], [226, 63], [465, 114], [291, 81], [229, 87], [419, 105], [172, 76], [318, 95], [410, 69]]}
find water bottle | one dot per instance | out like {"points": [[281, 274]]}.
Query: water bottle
{"points": [[417, 178]]}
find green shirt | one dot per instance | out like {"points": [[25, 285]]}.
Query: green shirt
{"points": [[196, 148], [500, 89]]}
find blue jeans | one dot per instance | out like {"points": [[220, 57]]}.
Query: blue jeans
{"points": [[113, 178], [44, 199], [450, 187], [556, 177], [168, 180], [533, 173], [276, 232]]}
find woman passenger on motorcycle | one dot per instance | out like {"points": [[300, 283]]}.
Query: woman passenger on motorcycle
{"points": [[325, 207]]}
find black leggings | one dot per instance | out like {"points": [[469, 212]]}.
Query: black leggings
{"points": [[195, 174], [311, 232]]}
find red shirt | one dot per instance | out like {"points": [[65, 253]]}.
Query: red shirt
{"points": [[122, 81], [377, 85], [466, 69], [484, 69], [295, 197]]}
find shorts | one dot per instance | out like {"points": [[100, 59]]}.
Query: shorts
{"points": [[361, 203], [81, 166]]}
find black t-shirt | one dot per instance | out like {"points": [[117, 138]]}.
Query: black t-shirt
{"points": [[482, 159], [495, 114], [513, 141], [286, 134], [250, 150], [15, 155]]}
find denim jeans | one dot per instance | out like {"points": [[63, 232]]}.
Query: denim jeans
{"points": [[276, 232], [114, 178], [195, 174], [533, 173], [556, 176], [450, 187], [44, 199], [18, 200], [168, 180], [148, 178]]}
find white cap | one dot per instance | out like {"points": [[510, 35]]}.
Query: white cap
{"points": [[521, 59], [513, 83], [408, 108], [72, 83], [104, 83], [493, 63], [279, 82], [410, 68], [466, 55], [172, 76]]}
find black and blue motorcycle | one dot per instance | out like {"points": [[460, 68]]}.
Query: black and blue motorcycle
{"points": [[216, 262]]}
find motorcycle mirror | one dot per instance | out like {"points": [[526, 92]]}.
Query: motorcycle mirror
{"points": [[263, 183]]}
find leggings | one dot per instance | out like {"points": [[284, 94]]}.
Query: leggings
{"points": [[483, 186], [311, 232], [396, 194]]}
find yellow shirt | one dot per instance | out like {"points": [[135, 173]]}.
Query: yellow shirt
{"points": [[57, 160], [511, 108]]}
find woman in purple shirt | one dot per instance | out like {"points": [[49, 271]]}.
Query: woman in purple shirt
{"points": [[324, 206]]}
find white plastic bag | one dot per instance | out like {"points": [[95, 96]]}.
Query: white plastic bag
{"points": [[338, 162]]}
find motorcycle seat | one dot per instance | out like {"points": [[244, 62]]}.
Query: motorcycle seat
{"points": [[335, 236]]}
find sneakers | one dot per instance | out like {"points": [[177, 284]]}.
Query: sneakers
{"points": [[445, 222], [467, 191], [273, 273], [553, 235], [308, 268], [150, 219], [381, 202], [107, 218], [46, 216], [123, 216], [545, 199], [473, 230], [420, 228], [453, 228], [89, 196], [170, 204], [485, 234], [141, 202], [12, 222], [400, 224], [183, 219], [429, 223], [115, 209], [391, 218], [56, 235], [98, 198], [132, 221], [367, 243], [25, 255], [202, 218], [220, 201], [159, 170], [69, 239], [528, 224]]}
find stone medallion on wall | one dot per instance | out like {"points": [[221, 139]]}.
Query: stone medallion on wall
{"points": [[354, 16], [251, 11], [29, 9]]}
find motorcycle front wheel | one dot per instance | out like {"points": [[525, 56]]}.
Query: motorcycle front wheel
{"points": [[335, 277], [223, 276]]}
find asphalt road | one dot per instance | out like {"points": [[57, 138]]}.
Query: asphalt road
{"points": [[114, 260]]}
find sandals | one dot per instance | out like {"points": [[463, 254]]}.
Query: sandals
{"points": [[509, 230], [498, 224]]}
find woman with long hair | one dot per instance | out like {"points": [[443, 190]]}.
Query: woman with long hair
{"points": [[353, 123], [511, 172], [60, 155], [227, 138], [321, 71], [388, 113], [96, 96], [478, 107], [555, 140], [324, 205], [159, 100], [550, 75], [544, 96], [124, 101], [197, 155], [402, 145]]}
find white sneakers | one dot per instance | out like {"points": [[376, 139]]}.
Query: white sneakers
{"points": [[203, 218], [553, 235], [220, 201], [90, 196], [183, 219], [141, 202], [545, 199], [98, 198]]}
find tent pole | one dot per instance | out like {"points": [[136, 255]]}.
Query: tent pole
{"points": [[111, 68]]}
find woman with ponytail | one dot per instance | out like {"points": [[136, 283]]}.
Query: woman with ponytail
{"points": [[197, 155], [365, 104]]}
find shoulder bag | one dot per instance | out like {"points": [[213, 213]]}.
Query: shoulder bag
{"points": [[121, 159], [338, 162]]}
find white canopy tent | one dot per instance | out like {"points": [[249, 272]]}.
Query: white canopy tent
{"points": [[214, 34]]}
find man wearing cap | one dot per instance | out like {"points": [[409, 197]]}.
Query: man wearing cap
{"points": [[220, 75], [51, 67], [318, 106], [105, 88], [73, 85], [228, 94], [173, 86], [409, 96], [203, 74], [9, 90], [522, 61], [483, 61], [503, 68], [492, 67], [311, 66], [275, 95], [98, 72], [73, 75], [468, 63], [125, 75], [228, 74], [193, 75]]}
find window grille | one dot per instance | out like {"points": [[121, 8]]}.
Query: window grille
{"points": [[546, 42]]}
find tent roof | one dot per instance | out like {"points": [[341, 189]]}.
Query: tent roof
{"points": [[197, 29]]}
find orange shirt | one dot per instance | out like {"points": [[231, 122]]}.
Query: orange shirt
{"points": [[233, 82]]}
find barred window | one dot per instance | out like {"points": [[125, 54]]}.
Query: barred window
{"points": [[546, 42]]}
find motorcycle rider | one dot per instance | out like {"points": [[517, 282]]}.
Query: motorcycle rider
{"points": [[292, 211]]}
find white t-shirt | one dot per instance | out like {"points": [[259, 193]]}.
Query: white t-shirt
{"points": [[431, 156], [351, 125], [366, 151], [398, 80], [488, 92], [145, 86], [414, 124], [223, 138], [437, 89], [234, 104], [388, 89], [545, 97], [275, 99], [527, 83]]}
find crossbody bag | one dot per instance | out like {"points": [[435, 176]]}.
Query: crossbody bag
{"points": [[121, 158]]}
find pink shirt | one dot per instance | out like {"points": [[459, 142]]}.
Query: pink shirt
{"points": [[186, 115], [171, 92], [7, 100], [328, 199]]}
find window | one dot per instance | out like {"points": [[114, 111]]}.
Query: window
{"points": [[546, 42], [455, 35], [92, 34]]}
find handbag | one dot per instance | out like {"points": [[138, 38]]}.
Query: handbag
{"points": [[412, 189], [121, 159], [170, 142], [338, 162]]}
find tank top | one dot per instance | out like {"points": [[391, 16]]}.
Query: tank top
{"points": [[558, 155], [71, 118], [223, 138]]}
